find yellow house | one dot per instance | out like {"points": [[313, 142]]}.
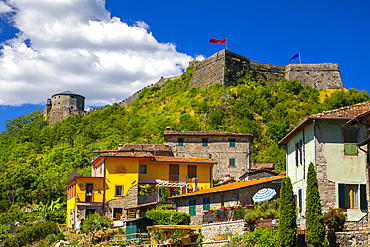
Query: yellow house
{"points": [[117, 174]]}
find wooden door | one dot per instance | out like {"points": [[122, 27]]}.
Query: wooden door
{"points": [[89, 192], [174, 172]]}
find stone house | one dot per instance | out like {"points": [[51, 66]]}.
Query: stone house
{"points": [[238, 193], [326, 141], [113, 187], [259, 170], [231, 151]]}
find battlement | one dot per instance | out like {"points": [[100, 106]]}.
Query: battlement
{"points": [[227, 67]]}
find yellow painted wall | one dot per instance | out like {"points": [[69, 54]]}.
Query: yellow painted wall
{"points": [[120, 171], [81, 187], [71, 204]]}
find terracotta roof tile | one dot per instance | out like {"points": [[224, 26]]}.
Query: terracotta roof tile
{"points": [[345, 112], [138, 147], [183, 160], [231, 186], [262, 165], [203, 133]]}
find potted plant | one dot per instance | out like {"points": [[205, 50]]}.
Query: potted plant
{"points": [[238, 206], [231, 207], [223, 209], [210, 211]]}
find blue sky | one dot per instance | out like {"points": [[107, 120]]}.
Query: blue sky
{"points": [[122, 46]]}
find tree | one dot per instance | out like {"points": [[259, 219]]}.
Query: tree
{"points": [[287, 218], [315, 229]]}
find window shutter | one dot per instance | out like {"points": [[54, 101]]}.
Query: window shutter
{"points": [[342, 196], [192, 210], [206, 203], [353, 149], [363, 200]]}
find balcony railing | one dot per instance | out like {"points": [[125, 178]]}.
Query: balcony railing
{"points": [[147, 198], [85, 197], [165, 177], [226, 215]]}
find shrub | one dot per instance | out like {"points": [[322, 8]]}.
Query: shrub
{"points": [[164, 217], [265, 237], [334, 219], [31, 234]]}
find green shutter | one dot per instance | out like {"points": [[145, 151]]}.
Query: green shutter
{"points": [[192, 209], [363, 199], [206, 206], [342, 196], [350, 149], [231, 162], [232, 143]]}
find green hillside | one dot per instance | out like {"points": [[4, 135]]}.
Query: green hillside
{"points": [[35, 158]]}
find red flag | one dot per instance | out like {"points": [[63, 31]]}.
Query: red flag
{"points": [[217, 41]]}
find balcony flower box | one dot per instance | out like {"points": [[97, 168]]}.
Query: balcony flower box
{"points": [[238, 207], [231, 207], [210, 211], [217, 210]]}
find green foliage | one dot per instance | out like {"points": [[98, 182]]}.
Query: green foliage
{"points": [[31, 234], [95, 222], [163, 194], [54, 211], [35, 158], [287, 218], [264, 210], [265, 237], [145, 190], [315, 229], [164, 217], [334, 219]]}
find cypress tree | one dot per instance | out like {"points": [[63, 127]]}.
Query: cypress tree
{"points": [[287, 215], [315, 229]]}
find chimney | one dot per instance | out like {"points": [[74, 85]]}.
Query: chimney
{"points": [[227, 176], [168, 128], [120, 146], [195, 184]]}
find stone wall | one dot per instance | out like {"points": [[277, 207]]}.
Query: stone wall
{"points": [[218, 149], [326, 187], [227, 198], [129, 200], [268, 72], [325, 75], [81, 210], [362, 224], [354, 238], [210, 231]]}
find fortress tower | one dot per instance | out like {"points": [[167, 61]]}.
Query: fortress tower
{"points": [[63, 105]]}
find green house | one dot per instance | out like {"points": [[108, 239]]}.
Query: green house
{"points": [[137, 226]]}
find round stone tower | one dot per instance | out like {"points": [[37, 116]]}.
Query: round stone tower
{"points": [[63, 105]]}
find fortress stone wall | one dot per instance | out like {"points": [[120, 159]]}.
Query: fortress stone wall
{"points": [[227, 67]]}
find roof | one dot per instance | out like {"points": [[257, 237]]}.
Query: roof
{"points": [[231, 186], [204, 133], [72, 179], [259, 170], [357, 119], [229, 180], [142, 206], [138, 147], [346, 112], [138, 219], [183, 160], [68, 93], [364, 142], [262, 165]]}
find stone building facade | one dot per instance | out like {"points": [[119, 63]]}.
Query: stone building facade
{"points": [[62, 105], [231, 151], [238, 193], [330, 145]]}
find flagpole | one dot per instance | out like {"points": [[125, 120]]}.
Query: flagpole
{"points": [[300, 58], [226, 43]]}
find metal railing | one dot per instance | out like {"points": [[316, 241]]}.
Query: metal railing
{"points": [[86, 197], [227, 215], [147, 198]]}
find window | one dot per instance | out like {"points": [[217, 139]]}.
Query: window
{"points": [[204, 142], [232, 143], [352, 196], [180, 141], [206, 204], [232, 162], [350, 139], [192, 171], [192, 207], [142, 169], [119, 190], [117, 213], [300, 200], [298, 153]]}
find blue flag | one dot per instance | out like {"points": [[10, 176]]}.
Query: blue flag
{"points": [[294, 57]]}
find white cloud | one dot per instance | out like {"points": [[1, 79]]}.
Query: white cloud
{"points": [[76, 45], [4, 8]]}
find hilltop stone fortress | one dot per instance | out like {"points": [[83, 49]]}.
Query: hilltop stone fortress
{"points": [[223, 67]]}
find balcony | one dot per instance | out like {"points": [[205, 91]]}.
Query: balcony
{"points": [[219, 215], [93, 199], [147, 198], [154, 178]]}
